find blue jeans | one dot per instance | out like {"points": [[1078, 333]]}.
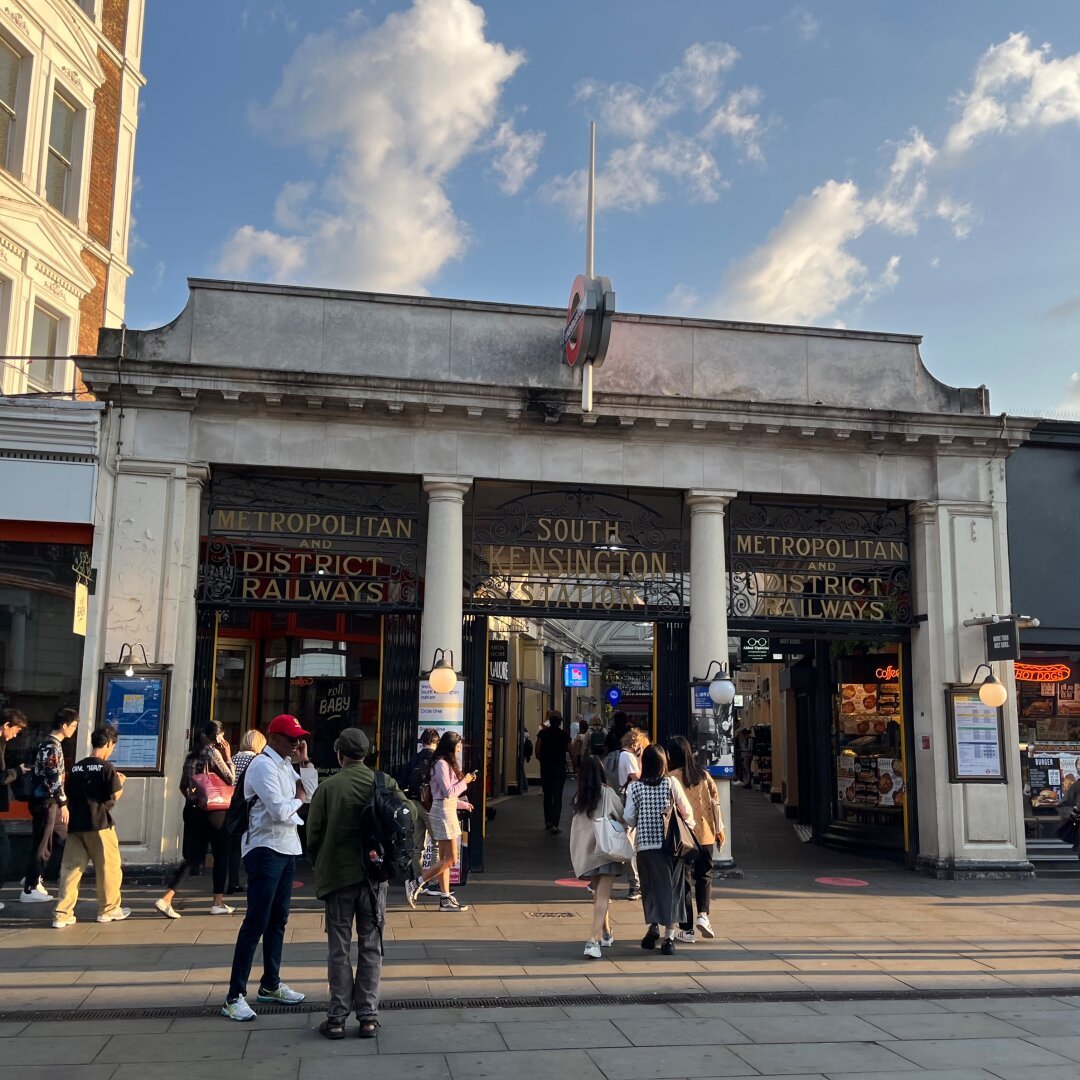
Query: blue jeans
{"points": [[269, 895]]}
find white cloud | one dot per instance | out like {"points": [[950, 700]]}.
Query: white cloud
{"points": [[1071, 401], [276, 257], [666, 135], [1016, 86], [805, 269], [806, 26], [682, 300], [392, 110], [516, 155]]}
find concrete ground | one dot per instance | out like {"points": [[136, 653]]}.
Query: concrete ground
{"points": [[898, 975]]}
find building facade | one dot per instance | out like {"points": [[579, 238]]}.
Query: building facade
{"points": [[315, 491], [69, 95]]}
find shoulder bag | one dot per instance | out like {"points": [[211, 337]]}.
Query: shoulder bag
{"points": [[211, 792], [610, 836], [679, 839]]}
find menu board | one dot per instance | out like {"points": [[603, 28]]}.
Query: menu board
{"points": [[975, 738], [1049, 777], [869, 767], [867, 780]]}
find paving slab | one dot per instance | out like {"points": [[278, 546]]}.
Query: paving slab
{"points": [[662, 1062], [220, 1045], [50, 1050], [262, 1069], [947, 1025], [1051, 1022], [795, 1029], [983, 1053], [683, 1031], [526, 1065], [296, 1043], [445, 1037], [567, 1034], [398, 1067], [71, 1072], [838, 1057], [1068, 1046]]}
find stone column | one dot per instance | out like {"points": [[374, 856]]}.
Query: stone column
{"points": [[960, 570], [708, 607], [440, 626]]}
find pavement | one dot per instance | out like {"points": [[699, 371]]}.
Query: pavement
{"points": [[824, 965]]}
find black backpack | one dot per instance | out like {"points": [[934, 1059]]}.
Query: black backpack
{"points": [[386, 826], [598, 742], [238, 816]]}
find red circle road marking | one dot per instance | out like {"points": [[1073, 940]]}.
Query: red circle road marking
{"points": [[843, 882], [572, 883]]}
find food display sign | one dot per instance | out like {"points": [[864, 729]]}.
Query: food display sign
{"points": [[1050, 776], [817, 565], [976, 738]]}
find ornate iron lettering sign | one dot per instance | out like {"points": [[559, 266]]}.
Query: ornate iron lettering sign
{"points": [[596, 552], [818, 564], [274, 540]]}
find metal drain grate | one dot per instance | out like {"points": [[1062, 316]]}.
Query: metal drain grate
{"points": [[551, 915], [538, 1000]]}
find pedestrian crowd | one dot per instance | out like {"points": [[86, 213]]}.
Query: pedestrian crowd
{"points": [[638, 810]]}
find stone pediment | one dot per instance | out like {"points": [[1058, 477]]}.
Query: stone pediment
{"points": [[73, 34], [49, 250]]}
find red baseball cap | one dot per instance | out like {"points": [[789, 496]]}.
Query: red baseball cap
{"points": [[286, 725]]}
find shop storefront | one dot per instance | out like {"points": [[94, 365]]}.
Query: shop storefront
{"points": [[827, 588], [1044, 523], [284, 534]]}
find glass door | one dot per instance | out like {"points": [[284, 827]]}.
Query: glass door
{"points": [[233, 677]]}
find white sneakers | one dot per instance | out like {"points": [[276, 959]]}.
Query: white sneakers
{"points": [[607, 940], [38, 895], [412, 891], [705, 926], [238, 1010], [592, 950], [219, 909], [63, 920], [685, 935], [117, 915], [169, 912]]}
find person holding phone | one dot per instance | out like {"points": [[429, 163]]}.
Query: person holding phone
{"points": [[269, 849], [447, 783]]}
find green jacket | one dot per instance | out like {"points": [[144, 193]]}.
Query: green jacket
{"points": [[333, 827]]}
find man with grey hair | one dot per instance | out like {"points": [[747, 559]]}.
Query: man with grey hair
{"points": [[337, 844]]}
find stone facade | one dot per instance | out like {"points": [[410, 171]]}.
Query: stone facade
{"points": [[346, 384]]}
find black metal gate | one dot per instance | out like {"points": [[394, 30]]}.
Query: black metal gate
{"points": [[672, 693], [400, 691], [202, 689]]}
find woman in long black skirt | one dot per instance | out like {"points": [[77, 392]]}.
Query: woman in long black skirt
{"points": [[648, 802]]}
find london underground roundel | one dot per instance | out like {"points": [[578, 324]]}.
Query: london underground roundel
{"points": [[588, 320]]}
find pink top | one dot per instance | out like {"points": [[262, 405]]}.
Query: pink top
{"points": [[443, 783]]}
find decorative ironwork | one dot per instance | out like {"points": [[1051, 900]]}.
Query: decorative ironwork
{"points": [[551, 551], [818, 564], [309, 542]]}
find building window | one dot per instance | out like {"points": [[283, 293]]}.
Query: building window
{"points": [[10, 61], [87, 6], [61, 152], [44, 346]]}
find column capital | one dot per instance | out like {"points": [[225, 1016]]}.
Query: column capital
{"points": [[705, 501], [924, 513], [448, 488]]}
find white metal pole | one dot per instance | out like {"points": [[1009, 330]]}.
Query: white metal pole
{"points": [[590, 212]]}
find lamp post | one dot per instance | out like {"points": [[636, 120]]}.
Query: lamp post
{"points": [[992, 691], [442, 678], [127, 653]]}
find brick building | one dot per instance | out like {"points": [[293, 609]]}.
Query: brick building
{"points": [[69, 91]]}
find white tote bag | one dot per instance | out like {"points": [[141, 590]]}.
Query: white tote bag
{"points": [[612, 842]]}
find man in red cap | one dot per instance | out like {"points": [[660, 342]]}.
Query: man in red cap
{"points": [[269, 848]]}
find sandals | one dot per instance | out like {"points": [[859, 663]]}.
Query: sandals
{"points": [[332, 1029], [369, 1027]]}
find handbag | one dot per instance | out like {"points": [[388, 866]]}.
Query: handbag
{"points": [[611, 839], [22, 789], [211, 792], [679, 839]]}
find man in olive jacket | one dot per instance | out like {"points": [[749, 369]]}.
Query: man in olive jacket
{"points": [[335, 845]]}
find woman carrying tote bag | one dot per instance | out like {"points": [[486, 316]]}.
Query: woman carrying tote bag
{"points": [[701, 792], [595, 848], [649, 803]]}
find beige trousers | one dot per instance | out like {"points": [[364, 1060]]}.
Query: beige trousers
{"points": [[103, 850]]}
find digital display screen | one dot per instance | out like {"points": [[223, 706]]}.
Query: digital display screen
{"points": [[576, 675]]}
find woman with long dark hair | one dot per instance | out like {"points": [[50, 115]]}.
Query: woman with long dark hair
{"points": [[594, 799], [648, 803], [447, 782], [203, 828], [703, 797]]}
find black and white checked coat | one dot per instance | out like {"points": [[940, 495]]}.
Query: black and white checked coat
{"points": [[646, 806]]}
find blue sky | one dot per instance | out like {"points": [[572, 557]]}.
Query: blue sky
{"points": [[896, 167]]}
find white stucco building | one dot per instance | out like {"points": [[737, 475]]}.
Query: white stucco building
{"points": [[314, 490]]}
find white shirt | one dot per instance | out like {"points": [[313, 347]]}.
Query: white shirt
{"points": [[274, 816], [629, 767]]}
